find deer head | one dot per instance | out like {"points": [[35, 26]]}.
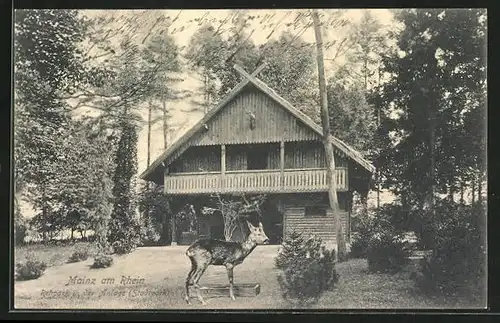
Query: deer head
{"points": [[257, 234]]}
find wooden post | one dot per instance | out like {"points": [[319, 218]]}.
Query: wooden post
{"points": [[172, 221], [282, 164], [223, 167], [349, 195], [172, 225], [223, 159]]}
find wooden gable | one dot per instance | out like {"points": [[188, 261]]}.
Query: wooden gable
{"points": [[230, 122], [253, 117]]}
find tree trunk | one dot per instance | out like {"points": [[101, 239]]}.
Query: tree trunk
{"points": [[473, 191], [205, 93], [330, 159], [165, 125], [378, 142], [378, 189], [165, 232], [451, 191], [366, 72], [364, 202], [461, 191], [480, 189], [431, 149], [150, 109], [72, 233], [44, 210], [432, 144], [174, 236]]}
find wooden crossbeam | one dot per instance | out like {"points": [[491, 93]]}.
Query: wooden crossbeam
{"points": [[240, 70], [244, 73]]}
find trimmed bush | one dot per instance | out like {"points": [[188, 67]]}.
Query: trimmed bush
{"points": [[102, 261], [380, 238], [150, 235], [20, 226], [307, 269], [458, 258], [81, 254], [387, 250], [32, 268], [123, 247], [387, 253], [361, 238]]}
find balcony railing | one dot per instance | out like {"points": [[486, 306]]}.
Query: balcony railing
{"points": [[261, 181]]}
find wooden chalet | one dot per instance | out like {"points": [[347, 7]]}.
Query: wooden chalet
{"points": [[255, 142]]}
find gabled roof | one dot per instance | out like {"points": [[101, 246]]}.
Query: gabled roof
{"points": [[337, 143]]}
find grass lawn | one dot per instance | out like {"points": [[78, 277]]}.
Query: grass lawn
{"points": [[52, 255], [164, 269]]}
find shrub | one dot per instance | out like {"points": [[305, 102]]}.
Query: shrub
{"points": [[32, 268], [149, 234], [123, 247], [387, 253], [102, 261], [307, 269], [361, 238], [381, 232], [124, 235], [458, 258], [20, 226], [387, 250], [155, 206], [80, 254]]}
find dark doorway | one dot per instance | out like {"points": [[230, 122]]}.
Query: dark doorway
{"points": [[257, 156], [217, 226], [272, 221]]}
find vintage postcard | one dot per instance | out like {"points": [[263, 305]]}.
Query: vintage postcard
{"points": [[250, 159]]}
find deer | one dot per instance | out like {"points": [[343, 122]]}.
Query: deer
{"points": [[206, 252]]}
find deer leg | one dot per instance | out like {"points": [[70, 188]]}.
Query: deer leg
{"points": [[189, 279], [199, 272], [229, 268]]}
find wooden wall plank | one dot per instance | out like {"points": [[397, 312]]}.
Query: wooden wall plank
{"points": [[196, 159], [272, 122], [321, 226]]}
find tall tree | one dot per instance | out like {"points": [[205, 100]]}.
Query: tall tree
{"points": [[330, 159], [239, 49], [130, 84], [359, 77], [363, 59], [291, 71], [161, 49], [48, 64], [351, 116], [206, 52], [434, 87], [123, 226]]}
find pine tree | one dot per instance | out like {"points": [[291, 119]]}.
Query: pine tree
{"points": [[48, 64], [123, 229], [434, 88]]}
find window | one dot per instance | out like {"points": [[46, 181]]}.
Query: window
{"points": [[257, 157], [315, 211]]}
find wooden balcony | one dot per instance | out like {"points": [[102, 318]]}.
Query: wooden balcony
{"points": [[262, 181]]}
